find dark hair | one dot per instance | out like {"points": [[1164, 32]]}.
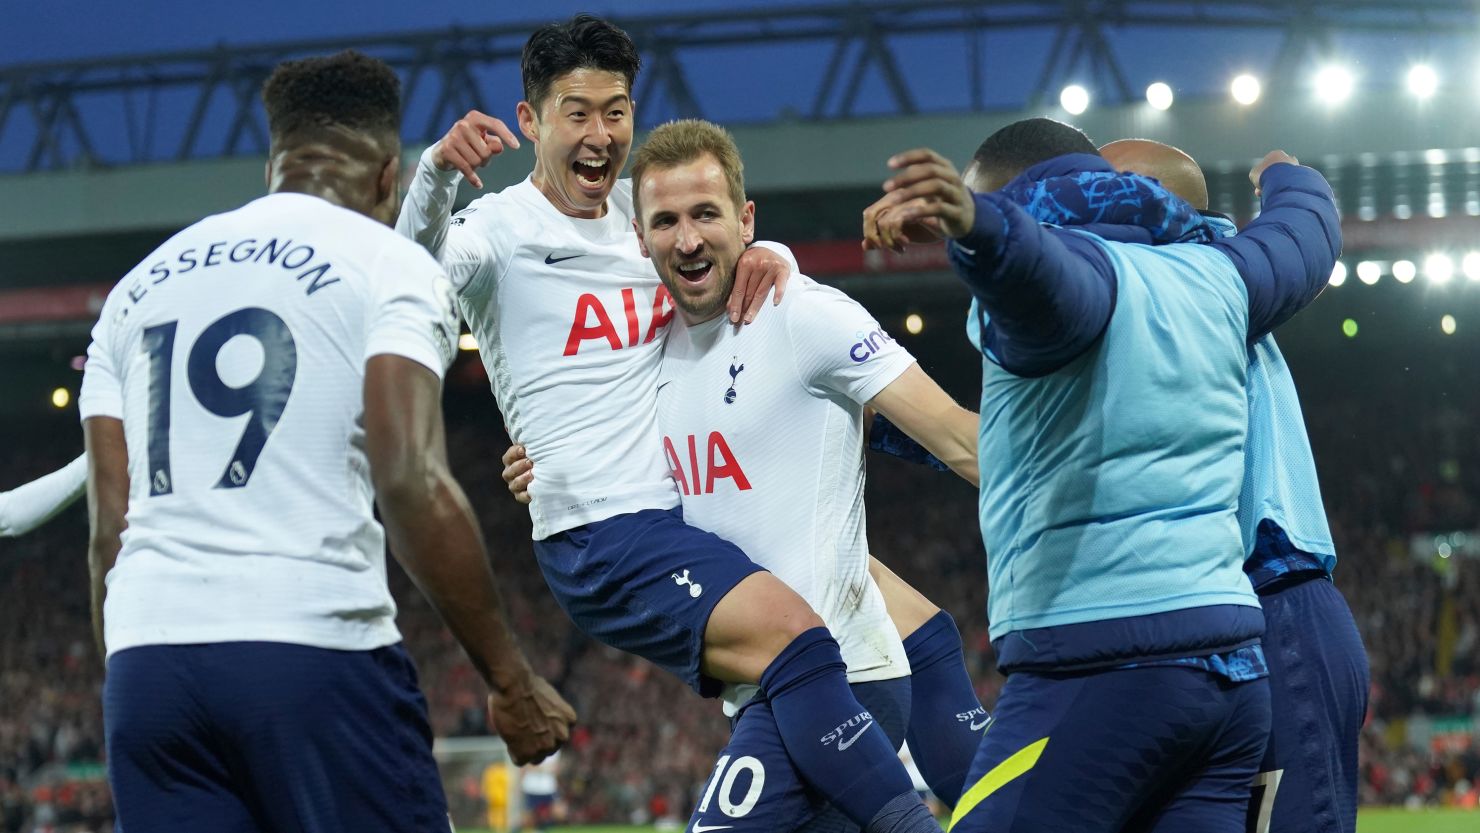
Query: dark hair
{"points": [[348, 89], [583, 42], [1023, 144]]}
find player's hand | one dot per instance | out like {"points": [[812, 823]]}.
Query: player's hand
{"points": [[926, 200], [1274, 157], [518, 472], [473, 140], [759, 269], [532, 718]]}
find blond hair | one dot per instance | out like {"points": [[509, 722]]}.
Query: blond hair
{"points": [[684, 141]]}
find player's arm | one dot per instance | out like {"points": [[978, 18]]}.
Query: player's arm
{"points": [[426, 213], [107, 507], [918, 406], [24, 508], [1049, 298], [434, 534], [1286, 254]]}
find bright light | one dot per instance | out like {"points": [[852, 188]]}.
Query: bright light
{"points": [[60, 398], [1368, 271], [1349, 328], [1334, 84], [1435, 156], [1404, 271], [1470, 265], [1338, 274], [1074, 99], [1438, 267], [1423, 82], [1447, 325], [1245, 89], [913, 324], [467, 342], [1159, 95]]}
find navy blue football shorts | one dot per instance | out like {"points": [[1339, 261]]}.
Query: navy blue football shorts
{"points": [[754, 787], [645, 583], [1156, 749], [259, 737], [1318, 679]]}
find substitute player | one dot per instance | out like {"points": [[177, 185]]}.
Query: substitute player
{"points": [[570, 321], [1318, 671], [30, 505], [252, 388], [812, 364], [1113, 421]]}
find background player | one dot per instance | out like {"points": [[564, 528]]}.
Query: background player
{"points": [[813, 364], [1318, 672], [255, 676], [570, 320], [1127, 362]]}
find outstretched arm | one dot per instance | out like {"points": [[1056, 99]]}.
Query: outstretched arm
{"points": [[107, 507], [1286, 254], [918, 406], [26, 507], [1049, 297]]}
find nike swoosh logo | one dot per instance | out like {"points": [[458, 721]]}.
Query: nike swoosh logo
{"points": [[551, 259], [703, 828], [977, 727], [842, 745]]}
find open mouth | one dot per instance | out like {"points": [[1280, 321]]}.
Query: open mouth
{"points": [[695, 271], [591, 173]]}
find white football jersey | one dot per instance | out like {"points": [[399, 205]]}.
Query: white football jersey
{"points": [[235, 356], [570, 320], [763, 431]]}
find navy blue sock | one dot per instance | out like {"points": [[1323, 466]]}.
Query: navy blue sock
{"points": [[831, 739], [946, 720]]}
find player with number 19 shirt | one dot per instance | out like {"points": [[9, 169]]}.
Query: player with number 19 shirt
{"points": [[246, 331]]}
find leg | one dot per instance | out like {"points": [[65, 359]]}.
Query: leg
{"points": [[1318, 678], [946, 719], [696, 605], [326, 741], [1090, 752], [164, 759]]}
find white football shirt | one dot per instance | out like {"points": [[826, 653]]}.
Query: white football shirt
{"points": [[235, 356], [570, 320], [763, 431]]}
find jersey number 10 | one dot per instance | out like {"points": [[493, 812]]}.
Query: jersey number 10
{"points": [[264, 398]]}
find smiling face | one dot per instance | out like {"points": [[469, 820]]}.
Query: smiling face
{"points": [[582, 134], [694, 233]]}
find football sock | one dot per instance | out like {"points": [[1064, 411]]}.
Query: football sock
{"points": [[831, 739], [946, 720]]}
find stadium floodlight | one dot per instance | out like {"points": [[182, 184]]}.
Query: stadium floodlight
{"points": [[1245, 89], [1448, 325], [914, 324], [1074, 99], [466, 341], [1338, 274], [1404, 271], [1470, 265], [1334, 84], [1438, 267], [1368, 271], [1159, 95], [1423, 82], [60, 398]]}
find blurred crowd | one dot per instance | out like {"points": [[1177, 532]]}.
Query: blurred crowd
{"points": [[645, 744]]}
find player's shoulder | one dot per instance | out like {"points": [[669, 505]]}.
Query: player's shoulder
{"points": [[502, 211], [807, 299]]}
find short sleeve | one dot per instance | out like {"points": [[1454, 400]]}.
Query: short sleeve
{"points": [[102, 384], [839, 347], [413, 313]]}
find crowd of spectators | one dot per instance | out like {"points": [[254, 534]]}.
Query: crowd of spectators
{"points": [[645, 744]]}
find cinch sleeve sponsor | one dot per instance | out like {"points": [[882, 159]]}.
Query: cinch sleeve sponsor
{"points": [[840, 348]]}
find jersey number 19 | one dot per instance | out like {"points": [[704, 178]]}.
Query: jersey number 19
{"points": [[264, 398]]}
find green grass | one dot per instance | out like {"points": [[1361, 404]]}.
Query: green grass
{"points": [[1369, 821]]}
